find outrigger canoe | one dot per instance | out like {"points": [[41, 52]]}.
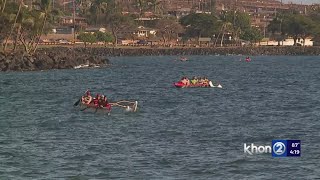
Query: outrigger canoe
{"points": [[183, 59], [182, 85], [127, 105]]}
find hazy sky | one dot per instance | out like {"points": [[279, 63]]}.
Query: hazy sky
{"points": [[301, 1]]}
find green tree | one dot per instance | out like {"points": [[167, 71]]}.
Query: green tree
{"points": [[45, 6], [55, 14], [3, 5], [97, 8], [30, 25], [168, 28], [298, 26], [87, 38], [200, 25], [4, 28], [12, 26], [235, 23], [275, 27], [314, 15], [155, 6], [104, 37], [142, 6], [252, 34], [118, 23], [25, 25], [295, 26], [225, 28]]}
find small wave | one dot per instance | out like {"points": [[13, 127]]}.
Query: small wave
{"points": [[81, 66], [85, 66]]}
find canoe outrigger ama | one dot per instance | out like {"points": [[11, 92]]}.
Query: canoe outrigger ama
{"points": [[195, 82], [100, 102], [127, 105]]}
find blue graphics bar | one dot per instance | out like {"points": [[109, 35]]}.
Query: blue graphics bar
{"points": [[286, 148]]}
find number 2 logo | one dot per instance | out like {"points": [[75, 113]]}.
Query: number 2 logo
{"points": [[279, 148]]}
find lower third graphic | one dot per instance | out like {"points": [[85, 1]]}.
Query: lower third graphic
{"points": [[279, 148]]}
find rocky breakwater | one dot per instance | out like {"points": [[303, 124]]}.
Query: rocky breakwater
{"points": [[50, 58], [260, 50]]}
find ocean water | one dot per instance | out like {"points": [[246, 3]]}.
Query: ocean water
{"points": [[195, 133]]}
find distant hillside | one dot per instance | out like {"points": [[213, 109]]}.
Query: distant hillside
{"points": [[301, 1]]}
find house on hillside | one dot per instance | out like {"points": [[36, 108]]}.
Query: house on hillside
{"points": [[204, 41], [316, 41], [95, 29], [140, 32], [69, 21], [62, 30]]}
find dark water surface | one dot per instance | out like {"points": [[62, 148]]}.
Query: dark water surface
{"points": [[176, 134]]}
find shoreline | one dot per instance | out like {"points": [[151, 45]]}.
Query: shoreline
{"points": [[53, 58], [47, 58], [176, 51]]}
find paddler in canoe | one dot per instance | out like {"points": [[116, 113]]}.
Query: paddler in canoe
{"points": [[186, 81], [200, 82], [194, 81], [101, 101], [96, 100], [204, 82], [86, 98]]}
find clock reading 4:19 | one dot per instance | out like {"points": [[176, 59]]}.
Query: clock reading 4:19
{"points": [[294, 148]]}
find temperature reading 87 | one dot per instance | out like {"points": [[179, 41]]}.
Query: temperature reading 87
{"points": [[295, 144]]}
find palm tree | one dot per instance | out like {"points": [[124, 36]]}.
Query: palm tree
{"points": [[4, 26], [142, 6], [13, 26], [226, 27], [45, 6], [3, 5], [27, 25], [156, 6], [97, 8], [84, 6]]}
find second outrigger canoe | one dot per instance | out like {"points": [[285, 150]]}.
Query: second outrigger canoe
{"points": [[182, 85]]}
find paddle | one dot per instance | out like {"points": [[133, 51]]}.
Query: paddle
{"points": [[84, 108], [77, 103]]}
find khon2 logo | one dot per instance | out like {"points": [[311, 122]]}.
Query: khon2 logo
{"points": [[279, 148]]}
